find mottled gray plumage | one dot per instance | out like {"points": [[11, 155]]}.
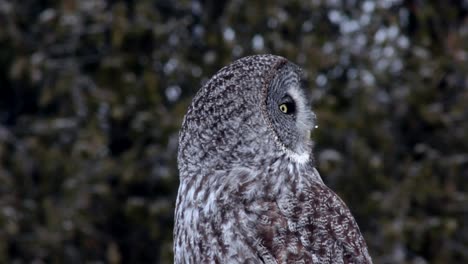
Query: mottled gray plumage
{"points": [[249, 192]]}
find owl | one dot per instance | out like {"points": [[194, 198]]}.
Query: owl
{"points": [[249, 190]]}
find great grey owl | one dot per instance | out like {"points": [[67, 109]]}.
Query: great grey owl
{"points": [[249, 191]]}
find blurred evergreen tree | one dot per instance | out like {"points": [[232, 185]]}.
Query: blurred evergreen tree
{"points": [[92, 94]]}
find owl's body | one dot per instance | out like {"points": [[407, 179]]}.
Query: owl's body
{"points": [[249, 192]]}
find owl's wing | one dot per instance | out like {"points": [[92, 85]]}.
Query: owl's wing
{"points": [[314, 226]]}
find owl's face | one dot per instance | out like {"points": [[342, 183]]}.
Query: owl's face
{"points": [[288, 112]]}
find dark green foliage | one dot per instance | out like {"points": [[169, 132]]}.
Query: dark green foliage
{"points": [[92, 94]]}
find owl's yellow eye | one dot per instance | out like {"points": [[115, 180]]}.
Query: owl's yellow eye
{"points": [[287, 105], [283, 108]]}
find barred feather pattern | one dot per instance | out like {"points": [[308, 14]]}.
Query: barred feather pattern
{"points": [[242, 198]]}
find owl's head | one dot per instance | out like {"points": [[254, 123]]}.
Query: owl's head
{"points": [[252, 110]]}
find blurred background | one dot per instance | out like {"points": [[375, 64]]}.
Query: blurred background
{"points": [[93, 92]]}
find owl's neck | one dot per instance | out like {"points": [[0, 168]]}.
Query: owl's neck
{"points": [[273, 178]]}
